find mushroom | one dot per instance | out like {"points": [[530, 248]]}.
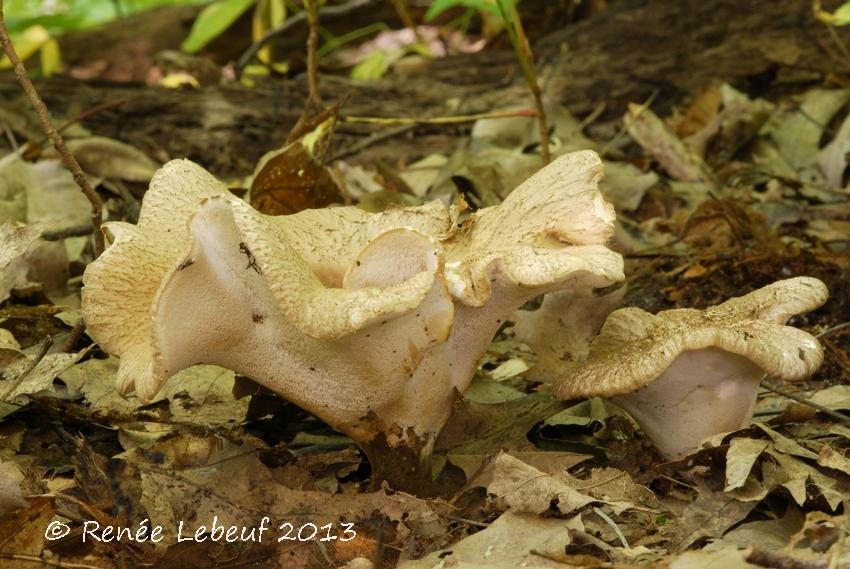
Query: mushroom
{"points": [[687, 374], [563, 327], [347, 314]]}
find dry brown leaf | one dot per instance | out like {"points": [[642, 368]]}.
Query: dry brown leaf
{"points": [[290, 180], [22, 531], [523, 488], [17, 239], [11, 496], [662, 144], [513, 540]]}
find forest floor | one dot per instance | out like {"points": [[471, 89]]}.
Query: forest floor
{"points": [[725, 136]]}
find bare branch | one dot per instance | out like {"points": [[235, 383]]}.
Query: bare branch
{"points": [[54, 136]]}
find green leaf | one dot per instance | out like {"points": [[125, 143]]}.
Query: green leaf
{"points": [[376, 64], [27, 43], [51, 58], [268, 14], [440, 6], [212, 21], [842, 15], [64, 15]]}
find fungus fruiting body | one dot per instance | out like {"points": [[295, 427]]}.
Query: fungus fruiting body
{"points": [[372, 322], [687, 374], [562, 328]]}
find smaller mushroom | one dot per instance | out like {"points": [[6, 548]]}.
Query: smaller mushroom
{"points": [[685, 374]]}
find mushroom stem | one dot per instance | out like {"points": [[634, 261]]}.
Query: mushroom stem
{"points": [[405, 467], [702, 393]]}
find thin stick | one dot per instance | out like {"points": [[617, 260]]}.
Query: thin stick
{"points": [[832, 329], [373, 139], [42, 351], [439, 120], [516, 33], [76, 333], [468, 522], [54, 136], [92, 111], [10, 137], [840, 417], [622, 131], [68, 232], [49, 562], [403, 13], [312, 44]]}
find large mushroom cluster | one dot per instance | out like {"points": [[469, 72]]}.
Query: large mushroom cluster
{"points": [[374, 322]]}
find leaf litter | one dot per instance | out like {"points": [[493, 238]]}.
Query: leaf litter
{"points": [[725, 195]]}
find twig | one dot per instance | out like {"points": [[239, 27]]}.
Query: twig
{"points": [[777, 561], [50, 562], [516, 33], [548, 557], [622, 131], [373, 139], [92, 111], [76, 333], [403, 13], [468, 521], [840, 417], [60, 234], [601, 482], [310, 6], [832, 329], [42, 351], [10, 136], [594, 114], [308, 123], [54, 136], [828, 20], [532, 479], [458, 119], [325, 13]]}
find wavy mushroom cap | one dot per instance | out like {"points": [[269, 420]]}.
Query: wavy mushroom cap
{"points": [[187, 212], [686, 375], [635, 347], [370, 321], [551, 229]]}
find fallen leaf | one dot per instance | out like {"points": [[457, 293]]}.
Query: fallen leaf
{"points": [[727, 558], [832, 459], [661, 142], [788, 144], [11, 496], [624, 185], [513, 540], [111, 159], [740, 459], [290, 180], [524, 488], [17, 239]]}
